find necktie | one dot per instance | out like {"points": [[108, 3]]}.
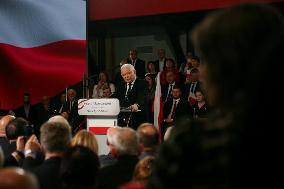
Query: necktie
{"points": [[173, 109], [169, 91], [71, 105], [128, 90]]}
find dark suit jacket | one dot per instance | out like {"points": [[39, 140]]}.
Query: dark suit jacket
{"points": [[157, 64], [47, 173], [139, 67], [20, 112], [164, 91], [193, 88], [182, 109], [113, 176], [74, 118], [137, 95]]}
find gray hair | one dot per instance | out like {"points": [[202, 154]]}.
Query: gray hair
{"points": [[126, 141], [55, 136], [128, 67], [59, 118]]}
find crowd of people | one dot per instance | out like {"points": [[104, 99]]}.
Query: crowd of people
{"points": [[233, 145]]}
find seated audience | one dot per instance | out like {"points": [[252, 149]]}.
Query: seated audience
{"points": [[125, 148], [175, 109], [200, 109], [107, 92], [151, 69], [79, 168], [54, 138], [87, 139], [149, 139], [109, 159], [191, 85]]}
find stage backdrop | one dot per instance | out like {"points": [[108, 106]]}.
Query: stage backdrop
{"points": [[42, 48], [109, 9]]}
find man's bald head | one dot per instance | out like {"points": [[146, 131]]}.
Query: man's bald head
{"points": [[4, 122], [148, 135], [16, 178]]}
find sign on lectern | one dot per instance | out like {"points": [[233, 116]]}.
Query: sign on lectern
{"points": [[101, 114]]}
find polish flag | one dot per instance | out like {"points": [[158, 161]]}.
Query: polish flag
{"points": [[42, 48], [158, 104]]}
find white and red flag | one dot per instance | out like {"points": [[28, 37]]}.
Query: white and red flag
{"points": [[158, 104], [42, 48]]}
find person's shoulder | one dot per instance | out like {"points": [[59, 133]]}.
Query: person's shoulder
{"points": [[140, 60]]}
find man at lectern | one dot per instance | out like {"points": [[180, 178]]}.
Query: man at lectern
{"points": [[132, 95]]}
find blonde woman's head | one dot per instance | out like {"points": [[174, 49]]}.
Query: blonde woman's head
{"points": [[87, 139]]}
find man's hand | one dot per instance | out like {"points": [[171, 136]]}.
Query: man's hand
{"points": [[33, 144], [134, 107], [20, 143]]}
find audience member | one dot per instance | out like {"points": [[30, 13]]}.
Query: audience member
{"points": [[27, 110], [200, 109], [125, 148], [175, 109], [59, 104], [79, 168], [54, 139], [107, 92], [15, 128], [168, 87], [44, 112], [16, 178], [150, 95], [142, 173], [151, 69], [138, 64], [191, 85], [102, 82], [149, 139], [170, 67], [70, 110], [108, 159], [87, 139], [160, 63], [4, 142], [186, 66], [239, 146]]}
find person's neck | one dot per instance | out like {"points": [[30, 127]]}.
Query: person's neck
{"points": [[49, 155], [201, 103], [162, 59]]}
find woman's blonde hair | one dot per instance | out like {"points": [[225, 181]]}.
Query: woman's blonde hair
{"points": [[87, 139]]}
